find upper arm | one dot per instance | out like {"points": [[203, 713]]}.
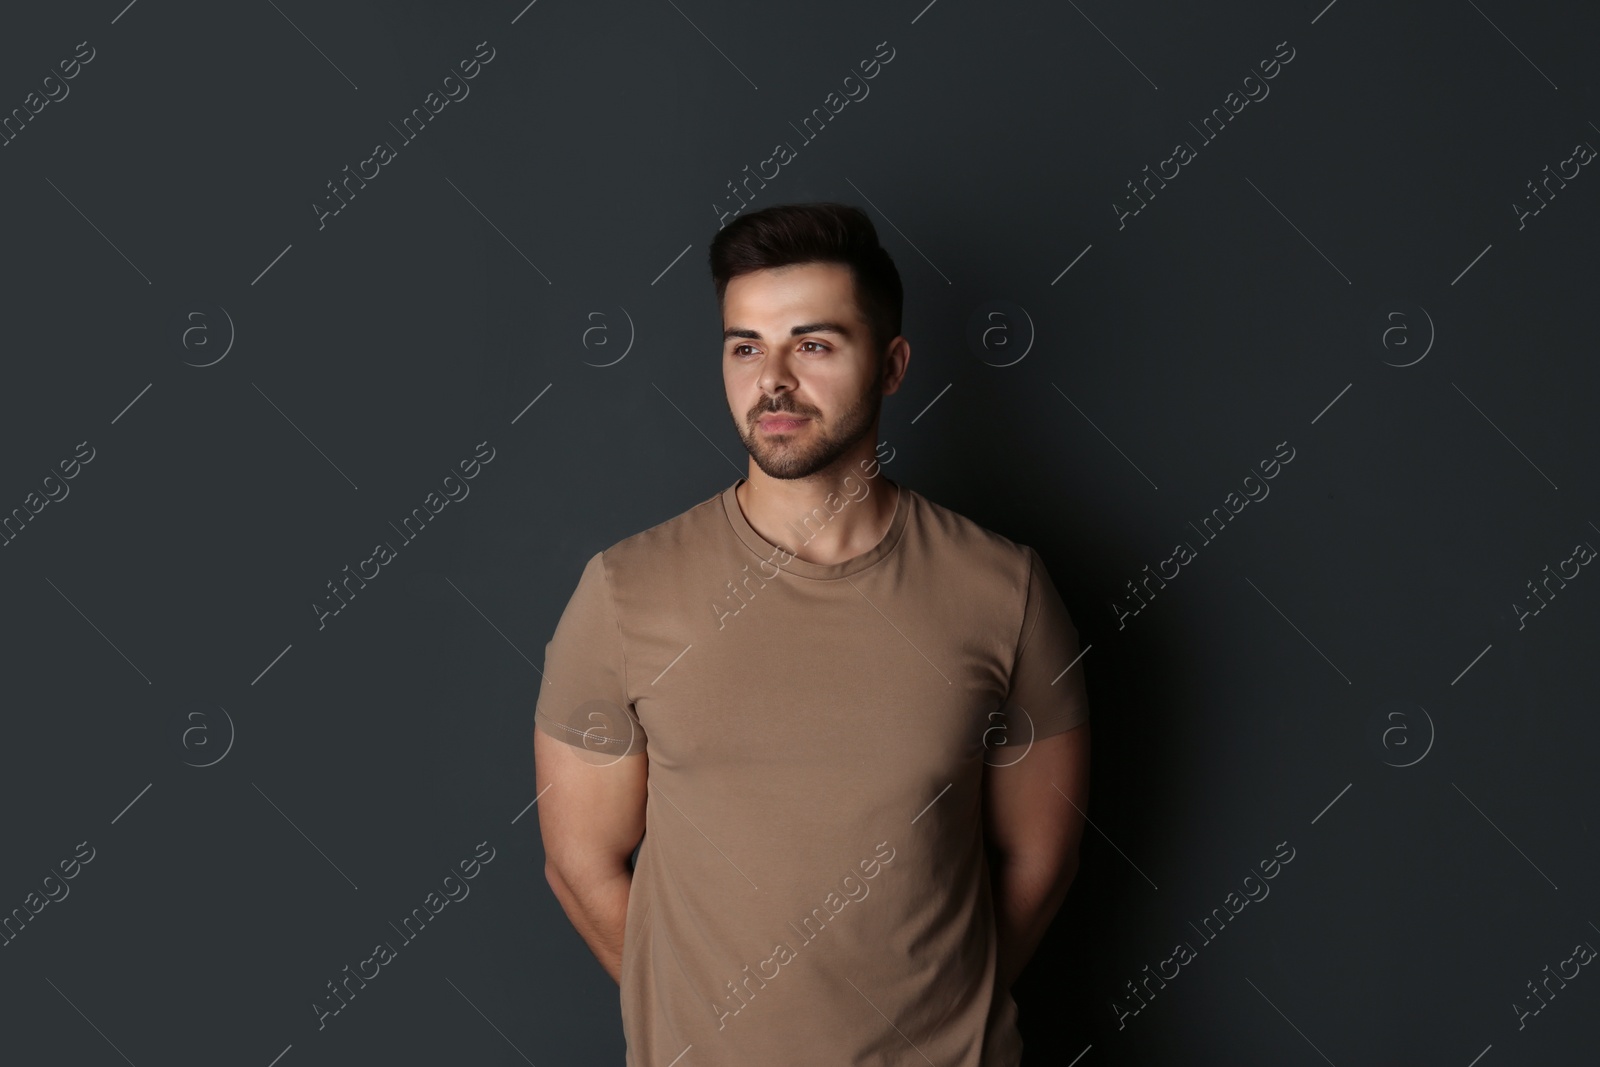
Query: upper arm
{"points": [[1033, 804], [591, 808], [1033, 807], [589, 746]]}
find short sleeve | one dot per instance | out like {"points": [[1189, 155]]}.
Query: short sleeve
{"points": [[1052, 696], [583, 694]]}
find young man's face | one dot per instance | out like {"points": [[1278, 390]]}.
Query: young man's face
{"points": [[794, 343]]}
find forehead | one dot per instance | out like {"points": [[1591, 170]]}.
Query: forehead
{"points": [[791, 294]]}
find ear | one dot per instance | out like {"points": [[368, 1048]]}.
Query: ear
{"points": [[896, 360]]}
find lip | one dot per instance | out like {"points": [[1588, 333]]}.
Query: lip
{"points": [[781, 423]]}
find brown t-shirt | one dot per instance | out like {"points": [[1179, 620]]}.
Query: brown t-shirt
{"points": [[812, 886]]}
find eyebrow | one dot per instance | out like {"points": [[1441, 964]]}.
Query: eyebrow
{"points": [[810, 327]]}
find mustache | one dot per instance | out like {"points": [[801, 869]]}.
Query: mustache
{"points": [[772, 409]]}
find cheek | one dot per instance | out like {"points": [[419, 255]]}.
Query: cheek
{"points": [[839, 388], [741, 386], [740, 370]]}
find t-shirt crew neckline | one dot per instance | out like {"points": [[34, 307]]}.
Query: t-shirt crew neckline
{"points": [[804, 568]]}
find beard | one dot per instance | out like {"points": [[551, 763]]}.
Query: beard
{"points": [[806, 451]]}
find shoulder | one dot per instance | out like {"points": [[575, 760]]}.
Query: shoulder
{"points": [[967, 545], [670, 541]]}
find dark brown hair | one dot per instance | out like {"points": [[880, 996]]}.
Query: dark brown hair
{"points": [[784, 234]]}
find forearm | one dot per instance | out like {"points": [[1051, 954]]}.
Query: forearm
{"points": [[1026, 898], [598, 910]]}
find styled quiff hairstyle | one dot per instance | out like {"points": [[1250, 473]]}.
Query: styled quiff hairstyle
{"points": [[786, 234]]}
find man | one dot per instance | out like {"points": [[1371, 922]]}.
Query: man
{"points": [[847, 723]]}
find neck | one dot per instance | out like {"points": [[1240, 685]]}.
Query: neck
{"points": [[829, 517]]}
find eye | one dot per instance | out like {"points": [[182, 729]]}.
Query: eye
{"points": [[736, 350], [820, 346]]}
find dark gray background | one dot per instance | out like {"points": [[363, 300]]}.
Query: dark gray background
{"points": [[1360, 616]]}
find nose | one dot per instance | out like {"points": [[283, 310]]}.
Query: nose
{"points": [[776, 377]]}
